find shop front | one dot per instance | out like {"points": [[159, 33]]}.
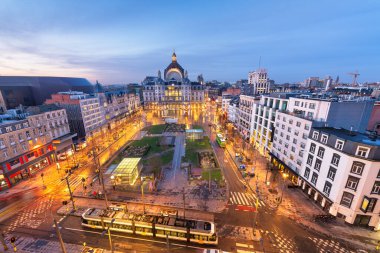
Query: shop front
{"points": [[28, 168], [283, 168], [3, 183]]}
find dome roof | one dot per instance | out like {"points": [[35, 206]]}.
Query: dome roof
{"points": [[174, 67]]}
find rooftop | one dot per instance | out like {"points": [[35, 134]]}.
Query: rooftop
{"points": [[350, 135], [126, 166]]}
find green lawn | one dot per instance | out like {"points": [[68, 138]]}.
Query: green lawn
{"points": [[151, 141], [193, 147], [198, 144], [161, 160], [197, 127], [155, 129], [215, 175]]}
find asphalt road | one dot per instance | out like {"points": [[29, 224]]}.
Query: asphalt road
{"points": [[31, 214]]}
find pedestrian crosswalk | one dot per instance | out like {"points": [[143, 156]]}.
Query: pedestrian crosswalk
{"points": [[244, 248], [245, 199]]}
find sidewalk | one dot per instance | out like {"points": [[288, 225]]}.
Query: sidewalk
{"points": [[298, 207], [36, 245]]}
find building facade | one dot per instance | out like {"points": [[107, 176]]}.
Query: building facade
{"points": [[174, 92], [258, 82], [341, 172], [85, 114], [293, 125], [26, 142]]}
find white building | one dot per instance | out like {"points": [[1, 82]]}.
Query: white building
{"points": [[341, 172], [233, 111], [292, 126], [258, 82]]}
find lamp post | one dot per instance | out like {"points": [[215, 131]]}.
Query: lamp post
{"points": [[108, 231], [284, 177], [43, 182], [142, 196]]}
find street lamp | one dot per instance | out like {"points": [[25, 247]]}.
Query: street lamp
{"points": [[284, 176], [109, 234]]}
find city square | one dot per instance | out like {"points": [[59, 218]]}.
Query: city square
{"points": [[178, 161]]}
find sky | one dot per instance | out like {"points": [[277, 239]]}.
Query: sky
{"points": [[124, 41]]}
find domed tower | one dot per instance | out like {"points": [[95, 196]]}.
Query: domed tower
{"points": [[174, 70]]}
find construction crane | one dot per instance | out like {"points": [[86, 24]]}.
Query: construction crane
{"points": [[355, 77]]}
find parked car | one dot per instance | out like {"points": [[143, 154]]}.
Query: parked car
{"points": [[251, 173], [62, 157], [237, 154], [242, 167]]}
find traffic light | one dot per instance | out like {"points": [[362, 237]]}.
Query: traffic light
{"points": [[13, 240]]}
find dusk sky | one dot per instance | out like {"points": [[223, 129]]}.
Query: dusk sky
{"points": [[124, 41]]}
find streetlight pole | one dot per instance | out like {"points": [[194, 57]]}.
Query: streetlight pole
{"points": [[284, 176], [184, 203], [142, 196], [68, 186], [59, 237]]}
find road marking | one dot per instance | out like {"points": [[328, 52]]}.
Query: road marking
{"points": [[243, 245]]}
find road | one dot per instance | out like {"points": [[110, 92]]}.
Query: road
{"points": [[31, 213]]}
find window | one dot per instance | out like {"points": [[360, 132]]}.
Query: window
{"points": [[331, 173], [321, 152], [294, 141], [357, 168], [378, 174], [23, 147], [362, 152], [347, 199], [307, 127], [312, 148], [2, 143], [5, 154], [289, 129], [298, 124], [375, 188], [352, 183], [317, 165], [335, 159], [315, 135], [293, 149], [327, 188], [304, 136], [312, 106], [368, 204], [307, 173], [324, 138], [339, 144], [310, 160], [27, 134], [314, 178]]}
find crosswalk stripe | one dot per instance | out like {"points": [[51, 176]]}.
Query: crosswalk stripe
{"points": [[234, 198], [244, 199]]}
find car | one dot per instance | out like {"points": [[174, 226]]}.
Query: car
{"points": [[242, 167], [63, 157], [237, 154], [251, 173]]}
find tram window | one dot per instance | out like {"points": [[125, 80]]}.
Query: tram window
{"points": [[160, 232], [196, 237], [148, 230], [207, 226], [192, 236], [203, 238], [173, 233], [139, 229], [212, 238], [181, 235]]}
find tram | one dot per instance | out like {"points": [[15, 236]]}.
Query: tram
{"points": [[195, 231]]}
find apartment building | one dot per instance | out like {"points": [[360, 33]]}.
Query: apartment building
{"points": [[341, 172], [292, 126], [258, 82], [27, 141], [233, 110], [84, 111], [118, 104]]}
